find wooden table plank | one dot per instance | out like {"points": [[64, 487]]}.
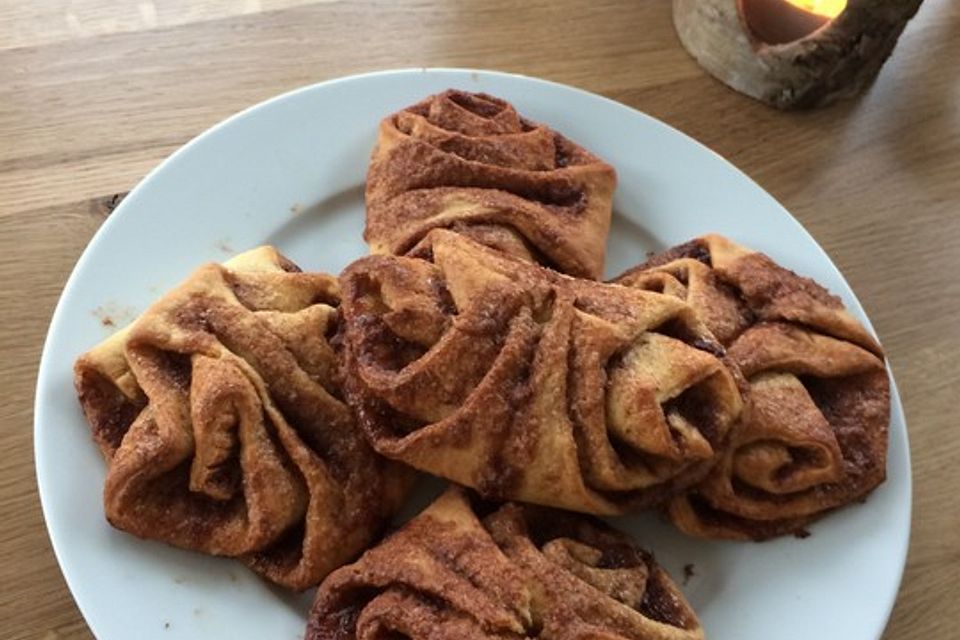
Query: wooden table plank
{"points": [[29, 24], [89, 103]]}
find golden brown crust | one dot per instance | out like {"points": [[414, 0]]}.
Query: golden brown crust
{"points": [[529, 385], [468, 162], [813, 436], [456, 571], [218, 413]]}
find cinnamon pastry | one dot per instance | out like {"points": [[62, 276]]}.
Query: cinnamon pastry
{"points": [[460, 572], [219, 415], [469, 162], [526, 384], [814, 431]]}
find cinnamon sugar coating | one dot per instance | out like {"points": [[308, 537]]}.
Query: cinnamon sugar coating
{"points": [[219, 414], [529, 385], [469, 162], [813, 436], [465, 571]]}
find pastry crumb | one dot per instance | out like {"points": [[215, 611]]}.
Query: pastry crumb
{"points": [[112, 315]]}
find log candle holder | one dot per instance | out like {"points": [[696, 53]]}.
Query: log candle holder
{"points": [[792, 53]]}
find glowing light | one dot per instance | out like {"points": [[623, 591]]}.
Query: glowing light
{"points": [[825, 8]]}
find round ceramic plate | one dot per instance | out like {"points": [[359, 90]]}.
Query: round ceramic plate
{"points": [[289, 172]]}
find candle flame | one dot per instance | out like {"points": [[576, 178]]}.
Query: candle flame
{"points": [[825, 8]]}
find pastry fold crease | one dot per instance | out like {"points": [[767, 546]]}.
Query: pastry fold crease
{"points": [[469, 162], [529, 385], [461, 570], [218, 411], [813, 436]]}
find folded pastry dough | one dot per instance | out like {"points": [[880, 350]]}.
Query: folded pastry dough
{"points": [[218, 412], [813, 435], [469, 162], [466, 572], [526, 384]]}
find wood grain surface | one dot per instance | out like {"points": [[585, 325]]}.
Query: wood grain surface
{"points": [[93, 93]]}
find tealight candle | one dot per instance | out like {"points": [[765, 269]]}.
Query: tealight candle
{"points": [[780, 21]]}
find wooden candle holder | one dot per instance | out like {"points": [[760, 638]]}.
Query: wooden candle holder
{"points": [[789, 58]]}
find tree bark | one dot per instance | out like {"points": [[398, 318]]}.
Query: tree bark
{"points": [[837, 60]]}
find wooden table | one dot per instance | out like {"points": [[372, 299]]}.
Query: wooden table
{"points": [[93, 93]]}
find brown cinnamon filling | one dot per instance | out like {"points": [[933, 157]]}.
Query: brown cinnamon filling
{"points": [[478, 104], [660, 605], [696, 406]]}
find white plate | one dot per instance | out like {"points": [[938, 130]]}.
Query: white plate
{"points": [[290, 172]]}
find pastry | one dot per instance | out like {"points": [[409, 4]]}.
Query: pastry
{"points": [[469, 162], [463, 571], [813, 436], [219, 414], [529, 385]]}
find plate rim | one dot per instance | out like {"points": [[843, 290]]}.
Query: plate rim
{"points": [[43, 380]]}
